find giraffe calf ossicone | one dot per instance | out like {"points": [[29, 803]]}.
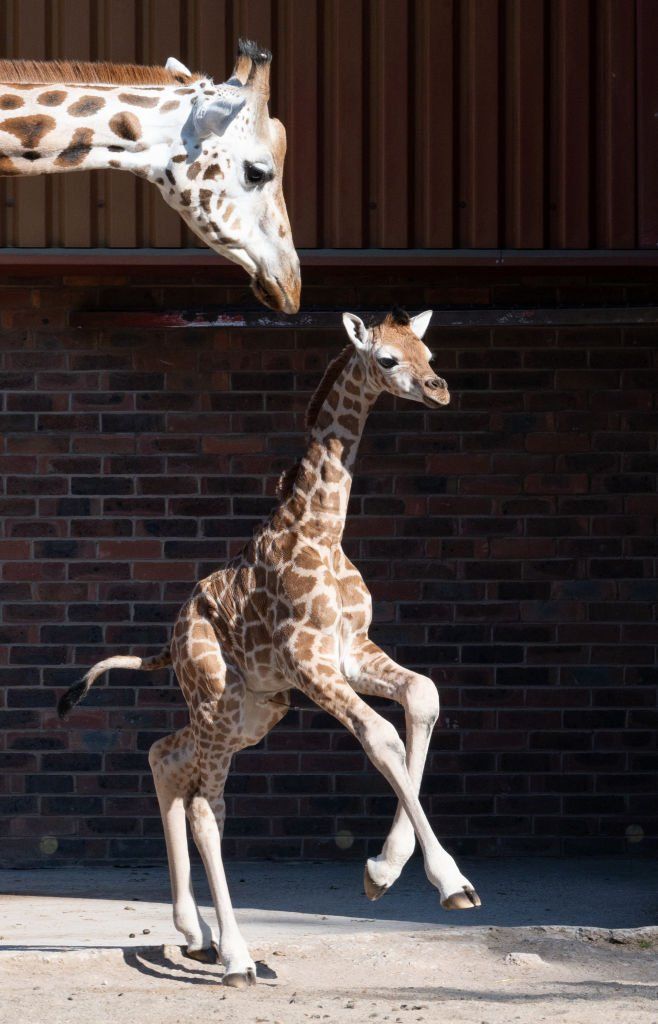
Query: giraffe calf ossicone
{"points": [[292, 612]]}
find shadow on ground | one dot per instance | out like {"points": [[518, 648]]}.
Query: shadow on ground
{"points": [[592, 892]]}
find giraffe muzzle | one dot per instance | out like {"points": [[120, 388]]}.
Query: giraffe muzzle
{"points": [[280, 295], [435, 391]]}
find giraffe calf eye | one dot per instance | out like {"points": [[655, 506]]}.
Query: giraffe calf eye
{"points": [[388, 362]]}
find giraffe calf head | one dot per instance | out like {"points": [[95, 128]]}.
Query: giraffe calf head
{"points": [[395, 359]]}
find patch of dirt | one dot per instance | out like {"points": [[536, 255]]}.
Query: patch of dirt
{"points": [[490, 976]]}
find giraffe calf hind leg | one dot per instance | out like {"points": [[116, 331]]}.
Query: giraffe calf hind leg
{"points": [[172, 760]]}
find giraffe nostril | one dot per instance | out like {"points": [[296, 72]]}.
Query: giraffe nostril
{"points": [[434, 383]]}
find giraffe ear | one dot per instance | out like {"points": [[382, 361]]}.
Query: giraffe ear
{"points": [[420, 323], [357, 331], [215, 117], [178, 70]]}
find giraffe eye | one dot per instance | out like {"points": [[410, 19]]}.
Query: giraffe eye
{"points": [[255, 174], [388, 362]]}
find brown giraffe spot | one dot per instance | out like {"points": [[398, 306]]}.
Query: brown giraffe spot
{"points": [[136, 100], [304, 646], [193, 169], [29, 130], [183, 92], [86, 106], [126, 125], [330, 473], [205, 196], [8, 102], [186, 197], [77, 150], [323, 614], [7, 166], [350, 423], [114, 163], [116, 149], [170, 176], [213, 171], [169, 105], [178, 159], [142, 172]]}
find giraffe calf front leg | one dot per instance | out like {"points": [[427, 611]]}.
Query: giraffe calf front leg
{"points": [[420, 699]]}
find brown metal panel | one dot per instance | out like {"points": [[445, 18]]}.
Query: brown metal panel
{"points": [[341, 185], [297, 106], [161, 33], [647, 87], [34, 196], [387, 124], [74, 199], [433, 126], [570, 124], [615, 154], [477, 219], [208, 47], [523, 156], [252, 19], [117, 190]]}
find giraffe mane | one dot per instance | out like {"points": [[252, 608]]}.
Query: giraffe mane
{"points": [[324, 387], [69, 72], [286, 481]]}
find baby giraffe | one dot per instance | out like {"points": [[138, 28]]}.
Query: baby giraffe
{"points": [[292, 612]]}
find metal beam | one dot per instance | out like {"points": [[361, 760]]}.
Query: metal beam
{"points": [[90, 260], [158, 320]]}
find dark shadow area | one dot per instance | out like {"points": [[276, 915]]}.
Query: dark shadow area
{"points": [[591, 892]]}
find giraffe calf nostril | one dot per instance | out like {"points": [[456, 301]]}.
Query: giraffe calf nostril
{"points": [[434, 383]]}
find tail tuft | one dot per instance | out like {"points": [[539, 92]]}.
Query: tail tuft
{"points": [[72, 697]]}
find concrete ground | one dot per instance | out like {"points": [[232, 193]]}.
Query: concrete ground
{"points": [[572, 939]]}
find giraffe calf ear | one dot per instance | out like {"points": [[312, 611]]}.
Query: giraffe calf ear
{"points": [[357, 331], [178, 70], [420, 323]]}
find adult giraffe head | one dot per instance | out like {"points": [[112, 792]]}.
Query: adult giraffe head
{"points": [[212, 150], [225, 177], [395, 359]]}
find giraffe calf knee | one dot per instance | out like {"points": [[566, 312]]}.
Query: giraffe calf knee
{"points": [[421, 701]]}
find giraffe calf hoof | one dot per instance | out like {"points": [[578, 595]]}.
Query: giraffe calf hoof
{"points": [[240, 980], [203, 956], [373, 891], [464, 900]]}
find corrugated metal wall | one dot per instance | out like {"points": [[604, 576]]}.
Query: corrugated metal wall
{"points": [[412, 123]]}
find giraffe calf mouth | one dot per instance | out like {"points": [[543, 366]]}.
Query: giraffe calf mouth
{"points": [[442, 398]]}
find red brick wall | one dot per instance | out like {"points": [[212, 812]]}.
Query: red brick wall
{"points": [[509, 543]]}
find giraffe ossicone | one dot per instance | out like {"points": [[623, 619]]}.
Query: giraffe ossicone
{"points": [[292, 612], [211, 149]]}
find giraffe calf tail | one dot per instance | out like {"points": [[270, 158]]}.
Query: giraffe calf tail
{"points": [[79, 690]]}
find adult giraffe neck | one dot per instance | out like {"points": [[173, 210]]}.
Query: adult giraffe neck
{"points": [[53, 128]]}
